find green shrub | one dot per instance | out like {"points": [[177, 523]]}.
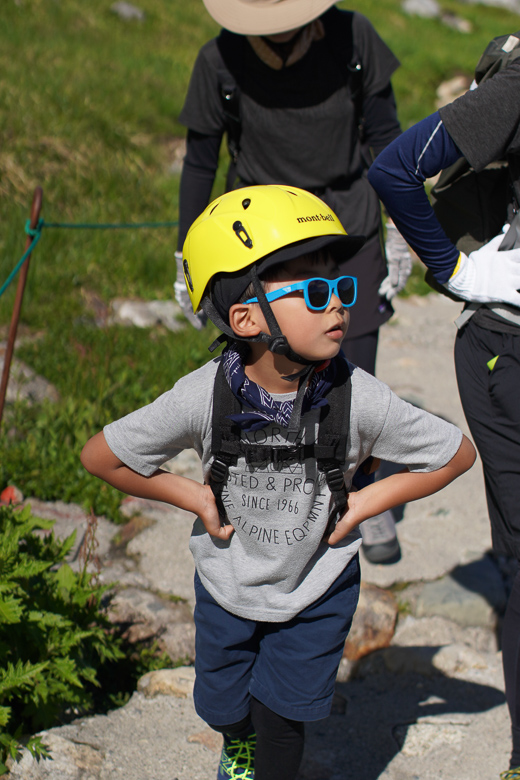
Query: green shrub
{"points": [[55, 638]]}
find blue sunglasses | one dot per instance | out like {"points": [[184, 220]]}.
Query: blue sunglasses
{"points": [[318, 292]]}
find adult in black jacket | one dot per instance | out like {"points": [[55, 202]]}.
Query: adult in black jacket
{"points": [[484, 126], [311, 86], [302, 95]]}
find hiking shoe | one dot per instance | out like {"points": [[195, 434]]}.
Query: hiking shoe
{"points": [[511, 774], [237, 760], [380, 543]]}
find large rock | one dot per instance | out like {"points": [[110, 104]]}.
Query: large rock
{"points": [[146, 314], [373, 624], [92, 532], [149, 617], [471, 595], [25, 384], [70, 761], [168, 682]]}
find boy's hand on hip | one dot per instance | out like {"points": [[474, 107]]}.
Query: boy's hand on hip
{"points": [[400, 488], [347, 521], [209, 515]]}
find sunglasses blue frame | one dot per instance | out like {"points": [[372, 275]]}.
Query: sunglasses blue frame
{"points": [[333, 286]]}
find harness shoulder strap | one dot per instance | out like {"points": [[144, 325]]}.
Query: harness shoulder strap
{"points": [[332, 443], [343, 47], [329, 451], [225, 438]]}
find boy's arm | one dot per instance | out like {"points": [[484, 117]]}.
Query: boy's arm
{"points": [[99, 460], [399, 489]]}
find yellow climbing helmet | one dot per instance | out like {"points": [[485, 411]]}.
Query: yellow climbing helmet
{"points": [[263, 225]]}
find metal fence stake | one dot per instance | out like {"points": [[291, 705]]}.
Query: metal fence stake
{"points": [[35, 216]]}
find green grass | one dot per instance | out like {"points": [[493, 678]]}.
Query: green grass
{"points": [[88, 110]]}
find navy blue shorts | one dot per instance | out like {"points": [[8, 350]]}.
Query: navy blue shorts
{"points": [[290, 667]]}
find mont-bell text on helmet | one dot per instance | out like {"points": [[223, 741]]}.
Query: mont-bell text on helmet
{"points": [[316, 218]]}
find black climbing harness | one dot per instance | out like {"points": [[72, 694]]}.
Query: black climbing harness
{"points": [[329, 451]]}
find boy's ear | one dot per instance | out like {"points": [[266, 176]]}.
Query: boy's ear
{"points": [[244, 319]]}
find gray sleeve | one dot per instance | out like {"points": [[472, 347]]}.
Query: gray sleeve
{"points": [[423, 443], [484, 122], [179, 419], [400, 432]]}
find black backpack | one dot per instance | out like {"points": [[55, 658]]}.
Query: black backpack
{"points": [[472, 207]]}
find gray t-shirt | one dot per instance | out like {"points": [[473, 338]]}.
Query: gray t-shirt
{"points": [[276, 563]]}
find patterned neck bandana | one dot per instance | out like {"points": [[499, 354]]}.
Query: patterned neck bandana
{"points": [[260, 408]]}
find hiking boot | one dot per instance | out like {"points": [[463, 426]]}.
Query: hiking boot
{"points": [[380, 543], [511, 774], [237, 760]]}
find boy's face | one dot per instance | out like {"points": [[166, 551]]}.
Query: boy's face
{"points": [[315, 335]]}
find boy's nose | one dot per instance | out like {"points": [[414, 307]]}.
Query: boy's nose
{"points": [[335, 303]]}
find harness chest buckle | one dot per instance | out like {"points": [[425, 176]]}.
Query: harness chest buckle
{"points": [[283, 454]]}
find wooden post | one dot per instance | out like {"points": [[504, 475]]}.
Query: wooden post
{"points": [[35, 216]]}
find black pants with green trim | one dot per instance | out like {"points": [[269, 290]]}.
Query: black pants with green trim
{"points": [[490, 395], [491, 402]]}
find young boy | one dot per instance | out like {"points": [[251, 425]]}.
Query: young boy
{"points": [[281, 422]]}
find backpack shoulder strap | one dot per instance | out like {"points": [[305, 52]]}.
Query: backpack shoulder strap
{"points": [[225, 437], [330, 451], [231, 51], [343, 47]]}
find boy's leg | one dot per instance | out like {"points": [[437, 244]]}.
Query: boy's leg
{"points": [[225, 650], [295, 672], [279, 743], [237, 759], [226, 647], [290, 668]]}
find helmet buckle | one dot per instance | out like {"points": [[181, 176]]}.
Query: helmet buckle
{"points": [[279, 345]]}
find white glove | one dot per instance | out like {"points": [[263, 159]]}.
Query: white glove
{"points": [[183, 299], [487, 275], [398, 260]]}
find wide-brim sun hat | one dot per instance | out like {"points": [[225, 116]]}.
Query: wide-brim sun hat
{"points": [[265, 17]]}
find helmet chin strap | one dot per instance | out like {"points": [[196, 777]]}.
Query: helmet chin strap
{"points": [[276, 341]]}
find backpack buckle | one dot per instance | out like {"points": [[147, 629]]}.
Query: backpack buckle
{"points": [[335, 478], [219, 470]]}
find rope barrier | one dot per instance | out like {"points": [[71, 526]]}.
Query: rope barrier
{"points": [[37, 232], [108, 225]]}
